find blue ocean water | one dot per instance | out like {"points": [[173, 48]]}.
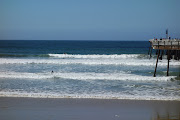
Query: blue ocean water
{"points": [[85, 69], [40, 47]]}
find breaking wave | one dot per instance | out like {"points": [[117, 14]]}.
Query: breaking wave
{"points": [[84, 76], [94, 56], [91, 96], [123, 56], [129, 62]]}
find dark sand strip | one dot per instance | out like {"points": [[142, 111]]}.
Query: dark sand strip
{"points": [[86, 109]]}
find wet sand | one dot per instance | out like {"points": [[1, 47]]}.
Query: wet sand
{"points": [[12, 108]]}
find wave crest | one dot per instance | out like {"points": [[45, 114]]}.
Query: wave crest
{"points": [[129, 62], [84, 76], [94, 56]]}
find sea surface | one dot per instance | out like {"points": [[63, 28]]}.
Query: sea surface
{"points": [[85, 69]]}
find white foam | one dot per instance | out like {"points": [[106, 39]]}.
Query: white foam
{"points": [[92, 96], [129, 62], [84, 76], [94, 56]]}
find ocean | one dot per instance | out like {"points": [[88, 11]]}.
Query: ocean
{"points": [[85, 69]]}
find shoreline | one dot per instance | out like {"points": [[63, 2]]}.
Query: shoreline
{"points": [[93, 98], [84, 108]]}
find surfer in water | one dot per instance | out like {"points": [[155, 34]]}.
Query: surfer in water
{"points": [[52, 72]]}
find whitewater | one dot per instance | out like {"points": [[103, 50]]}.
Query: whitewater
{"points": [[119, 71], [108, 71]]}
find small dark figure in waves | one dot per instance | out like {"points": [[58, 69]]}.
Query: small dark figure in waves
{"points": [[52, 72]]}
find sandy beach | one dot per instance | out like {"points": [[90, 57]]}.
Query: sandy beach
{"points": [[87, 109]]}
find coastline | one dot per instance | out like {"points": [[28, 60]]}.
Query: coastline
{"points": [[84, 108], [91, 98]]}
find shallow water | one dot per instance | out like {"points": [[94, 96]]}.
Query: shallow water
{"points": [[118, 70]]}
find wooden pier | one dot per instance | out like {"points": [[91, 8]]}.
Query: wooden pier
{"points": [[169, 47]]}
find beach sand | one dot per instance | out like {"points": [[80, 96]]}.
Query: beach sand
{"points": [[12, 108]]}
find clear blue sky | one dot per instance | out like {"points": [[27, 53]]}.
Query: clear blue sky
{"points": [[88, 19]]}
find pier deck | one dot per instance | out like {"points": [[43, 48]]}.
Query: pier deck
{"points": [[165, 44], [171, 46]]}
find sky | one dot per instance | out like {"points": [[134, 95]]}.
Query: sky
{"points": [[88, 19]]}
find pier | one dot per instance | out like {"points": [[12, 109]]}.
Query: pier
{"points": [[166, 46]]}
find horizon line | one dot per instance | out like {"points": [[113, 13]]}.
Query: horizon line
{"points": [[68, 40]]}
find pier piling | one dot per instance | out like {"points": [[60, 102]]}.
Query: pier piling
{"points": [[162, 52], [156, 63], [168, 57], [151, 53], [169, 47]]}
